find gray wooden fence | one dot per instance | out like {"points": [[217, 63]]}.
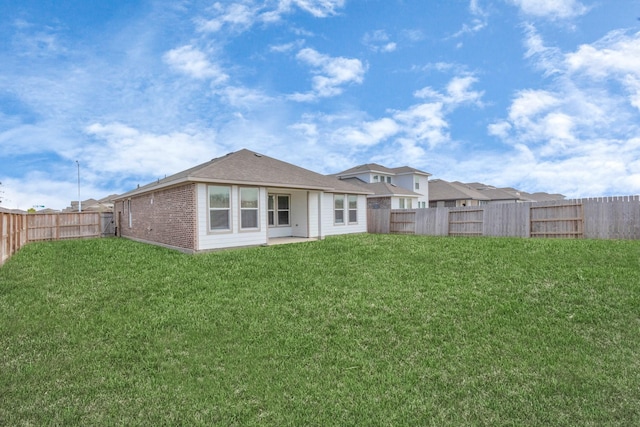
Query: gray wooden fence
{"points": [[597, 218], [18, 229]]}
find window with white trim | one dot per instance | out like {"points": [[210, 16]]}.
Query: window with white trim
{"points": [[130, 215], [338, 208], [279, 210], [219, 207], [353, 208], [249, 207], [417, 182]]}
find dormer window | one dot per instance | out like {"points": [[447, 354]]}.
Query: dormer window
{"points": [[376, 178]]}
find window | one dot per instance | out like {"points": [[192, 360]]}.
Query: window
{"points": [[249, 207], [416, 181], [129, 213], [409, 204], [376, 178], [353, 209], [389, 179], [219, 207], [401, 206], [338, 209], [279, 210]]}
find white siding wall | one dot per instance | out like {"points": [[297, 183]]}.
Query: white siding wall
{"points": [[311, 211], [314, 213], [328, 226], [404, 181], [299, 213], [236, 237], [408, 182], [424, 189], [298, 219]]}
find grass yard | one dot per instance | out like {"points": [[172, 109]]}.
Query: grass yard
{"points": [[355, 330]]}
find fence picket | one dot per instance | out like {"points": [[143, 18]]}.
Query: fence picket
{"points": [[595, 218], [18, 229]]}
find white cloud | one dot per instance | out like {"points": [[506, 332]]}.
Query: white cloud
{"points": [[425, 123], [379, 41], [545, 58], [37, 189], [414, 128], [553, 9], [121, 149], [242, 97], [331, 74], [618, 53], [368, 133], [457, 92], [633, 86], [236, 16], [317, 8], [478, 22], [193, 62], [240, 16], [576, 130]]}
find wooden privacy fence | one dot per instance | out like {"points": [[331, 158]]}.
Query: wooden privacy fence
{"points": [[17, 229], [596, 218], [13, 234]]}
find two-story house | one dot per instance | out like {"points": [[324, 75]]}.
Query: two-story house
{"points": [[393, 188]]}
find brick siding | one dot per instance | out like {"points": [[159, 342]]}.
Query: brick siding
{"points": [[167, 217]]}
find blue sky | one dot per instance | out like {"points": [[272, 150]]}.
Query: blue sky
{"points": [[541, 95]]}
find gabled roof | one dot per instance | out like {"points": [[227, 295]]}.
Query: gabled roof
{"points": [[491, 192], [514, 194], [404, 170], [443, 190], [542, 197], [382, 189], [376, 168], [246, 167]]}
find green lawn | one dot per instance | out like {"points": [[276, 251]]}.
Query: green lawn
{"points": [[356, 330]]}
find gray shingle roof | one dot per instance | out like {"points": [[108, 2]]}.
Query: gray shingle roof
{"points": [[245, 167], [443, 190], [382, 189], [374, 167]]}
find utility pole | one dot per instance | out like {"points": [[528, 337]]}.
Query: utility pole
{"points": [[79, 202]]}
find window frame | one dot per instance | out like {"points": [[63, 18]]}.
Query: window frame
{"points": [[276, 210], [337, 209], [211, 209], [346, 210], [129, 213], [350, 210], [242, 209]]}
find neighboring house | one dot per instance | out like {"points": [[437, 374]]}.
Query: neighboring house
{"points": [[511, 195], [393, 188], [455, 194], [92, 205], [241, 199], [495, 195]]}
